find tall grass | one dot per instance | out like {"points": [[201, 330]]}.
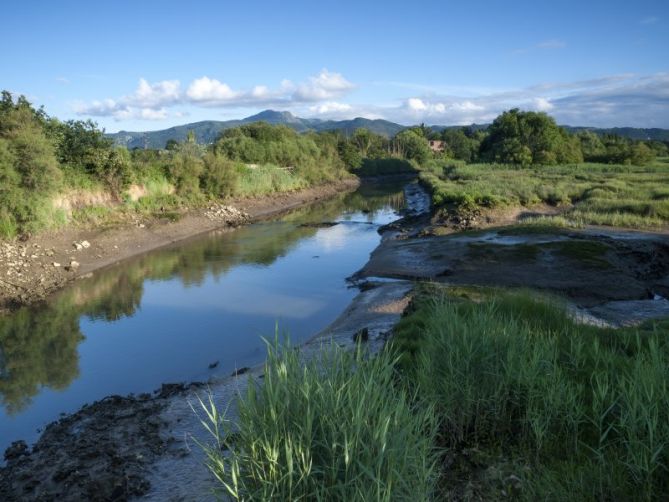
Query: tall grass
{"points": [[335, 428], [267, 179], [602, 194], [588, 408], [475, 382]]}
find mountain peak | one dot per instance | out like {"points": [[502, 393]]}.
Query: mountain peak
{"points": [[273, 116]]}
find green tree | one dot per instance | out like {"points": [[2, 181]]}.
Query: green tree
{"points": [[349, 154], [641, 154], [412, 146], [528, 138]]}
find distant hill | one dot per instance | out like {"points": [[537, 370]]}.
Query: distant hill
{"points": [[208, 130], [654, 133]]}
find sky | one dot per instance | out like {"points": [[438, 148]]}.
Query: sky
{"points": [[148, 65]]}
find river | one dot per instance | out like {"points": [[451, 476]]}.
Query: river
{"points": [[188, 312]]}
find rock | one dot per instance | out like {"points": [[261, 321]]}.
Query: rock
{"points": [[213, 365], [56, 264], [240, 371], [74, 265], [77, 246], [85, 244]]}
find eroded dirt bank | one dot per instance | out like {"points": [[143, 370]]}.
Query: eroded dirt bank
{"points": [[121, 448], [33, 269]]}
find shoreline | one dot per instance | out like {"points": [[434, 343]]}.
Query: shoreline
{"points": [[32, 270]]}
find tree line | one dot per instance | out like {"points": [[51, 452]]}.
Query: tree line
{"points": [[41, 156], [514, 137]]}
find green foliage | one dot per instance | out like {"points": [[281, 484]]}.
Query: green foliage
{"points": [[29, 171], [462, 144], [349, 154], [185, 169], [598, 194], [525, 138], [412, 145], [381, 167], [220, 178], [335, 428], [585, 407]]}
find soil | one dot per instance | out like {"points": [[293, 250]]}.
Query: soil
{"points": [[589, 267], [31, 270]]}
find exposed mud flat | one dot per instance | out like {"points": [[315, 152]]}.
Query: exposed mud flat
{"points": [[146, 446], [588, 267]]}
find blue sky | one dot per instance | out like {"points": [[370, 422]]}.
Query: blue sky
{"points": [[146, 65]]}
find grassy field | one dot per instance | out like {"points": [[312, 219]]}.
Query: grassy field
{"points": [[482, 395], [599, 194]]}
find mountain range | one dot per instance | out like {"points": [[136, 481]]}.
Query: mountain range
{"points": [[208, 130]]}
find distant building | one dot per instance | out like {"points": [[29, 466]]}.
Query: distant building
{"points": [[437, 145]]}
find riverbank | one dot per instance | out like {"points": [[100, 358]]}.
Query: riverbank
{"points": [[33, 269]]}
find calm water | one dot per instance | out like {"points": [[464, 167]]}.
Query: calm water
{"points": [[169, 314]]}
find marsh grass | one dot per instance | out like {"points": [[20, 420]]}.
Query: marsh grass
{"points": [[599, 194], [587, 408], [334, 428]]}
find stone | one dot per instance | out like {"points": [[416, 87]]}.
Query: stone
{"points": [[56, 264], [74, 265], [85, 244]]}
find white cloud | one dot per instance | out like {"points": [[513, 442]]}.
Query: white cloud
{"points": [[150, 100], [209, 90], [649, 20], [63, 80], [330, 107], [260, 91], [542, 104], [611, 100], [326, 85], [155, 95], [416, 104]]}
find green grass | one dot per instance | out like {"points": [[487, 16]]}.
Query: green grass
{"points": [[337, 428], [600, 194], [572, 409], [267, 179], [483, 394]]}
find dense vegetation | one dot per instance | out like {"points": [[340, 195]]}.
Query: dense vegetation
{"points": [[600, 194], [47, 167], [44, 160], [514, 398]]}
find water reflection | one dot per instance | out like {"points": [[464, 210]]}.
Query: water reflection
{"points": [[40, 346]]}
